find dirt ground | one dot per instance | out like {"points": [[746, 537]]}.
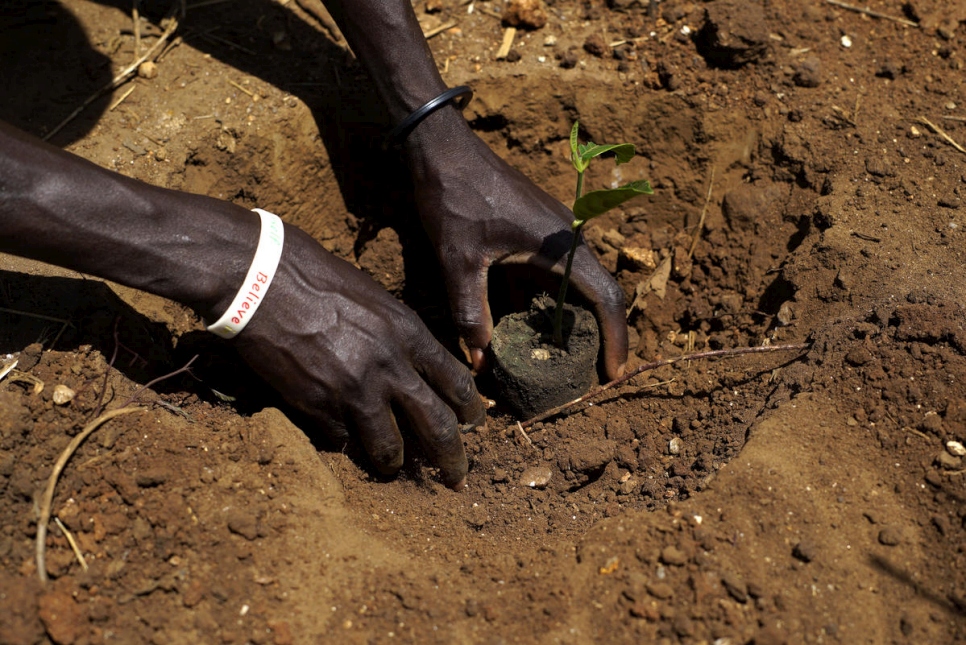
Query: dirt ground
{"points": [[809, 497]]}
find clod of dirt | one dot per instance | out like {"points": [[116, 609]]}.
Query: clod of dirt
{"points": [[806, 551], [586, 457], [595, 45], [734, 34], [382, 259], [673, 556], [63, 618], [750, 204], [29, 357], [947, 461], [735, 587], [888, 69], [244, 525], [808, 73], [151, 477], [660, 590], [525, 14], [889, 536]]}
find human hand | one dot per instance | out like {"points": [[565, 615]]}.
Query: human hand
{"points": [[345, 352], [479, 211]]}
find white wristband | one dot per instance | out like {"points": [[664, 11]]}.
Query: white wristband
{"points": [[259, 277]]}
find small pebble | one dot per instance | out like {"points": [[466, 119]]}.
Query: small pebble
{"points": [[785, 314], [536, 477], [675, 446], [147, 69], [846, 41], [63, 395], [955, 448], [540, 354]]}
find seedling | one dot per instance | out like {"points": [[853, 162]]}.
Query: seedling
{"points": [[596, 202]]}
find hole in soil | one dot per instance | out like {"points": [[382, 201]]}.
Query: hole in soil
{"points": [[775, 294], [804, 224], [489, 123]]}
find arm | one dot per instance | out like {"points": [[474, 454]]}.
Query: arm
{"points": [[328, 338], [476, 209]]}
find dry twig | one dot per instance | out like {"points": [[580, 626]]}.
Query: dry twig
{"points": [[935, 128], [135, 15], [121, 100], [119, 79], [48, 497], [704, 213], [508, 35], [661, 363], [870, 12], [438, 30], [243, 89], [524, 433], [72, 543], [64, 323]]}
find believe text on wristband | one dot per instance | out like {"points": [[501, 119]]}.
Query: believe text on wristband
{"points": [[258, 279]]}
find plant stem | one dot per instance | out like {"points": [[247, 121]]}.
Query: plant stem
{"points": [[562, 294]]}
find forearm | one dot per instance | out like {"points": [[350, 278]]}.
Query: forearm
{"points": [[58, 208], [386, 37]]}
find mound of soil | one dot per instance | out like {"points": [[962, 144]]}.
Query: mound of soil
{"points": [[806, 190]]}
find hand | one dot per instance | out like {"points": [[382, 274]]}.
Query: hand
{"points": [[478, 211], [344, 351]]}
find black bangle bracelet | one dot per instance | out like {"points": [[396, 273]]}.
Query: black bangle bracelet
{"points": [[463, 95]]}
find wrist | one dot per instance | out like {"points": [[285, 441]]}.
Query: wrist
{"points": [[437, 138], [258, 278]]}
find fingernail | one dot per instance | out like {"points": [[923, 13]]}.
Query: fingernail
{"points": [[478, 359]]}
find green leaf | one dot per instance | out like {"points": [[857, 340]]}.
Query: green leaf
{"points": [[598, 202], [573, 140], [575, 150], [624, 151]]}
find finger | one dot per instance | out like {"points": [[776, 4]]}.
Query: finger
{"points": [[598, 287], [452, 382], [330, 425], [466, 287], [435, 424], [378, 432]]}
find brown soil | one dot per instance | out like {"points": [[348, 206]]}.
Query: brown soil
{"points": [[767, 499]]}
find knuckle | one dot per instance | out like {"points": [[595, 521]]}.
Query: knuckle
{"points": [[612, 296], [442, 430], [464, 389]]}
